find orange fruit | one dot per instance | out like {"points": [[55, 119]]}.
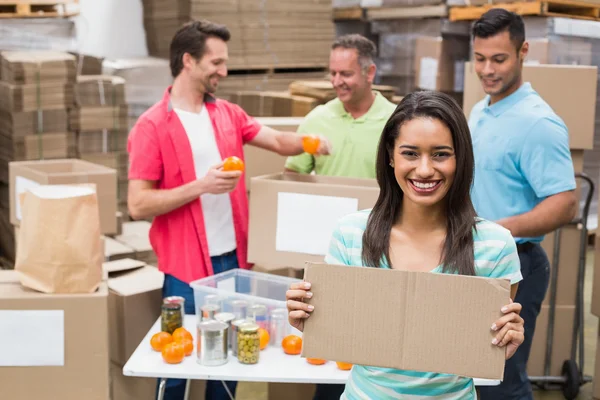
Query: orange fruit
{"points": [[233, 164], [181, 333], [315, 361], [344, 366], [292, 344], [264, 336], [188, 347], [310, 143], [160, 340], [173, 353]]}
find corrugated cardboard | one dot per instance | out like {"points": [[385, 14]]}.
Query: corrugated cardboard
{"points": [[114, 250], [93, 118], [439, 63], [312, 201], [85, 374], [32, 97], [564, 319], [135, 234], [420, 333], [37, 66], [64, 172], [133, 304], [576, 107]]}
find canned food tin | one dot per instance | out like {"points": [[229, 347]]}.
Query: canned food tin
{"points": [[239, 308], [228, 319], [170, 317], [258, 314], [235, 329], [248, 343], [279, 326], [209, 311], [212, 343]]}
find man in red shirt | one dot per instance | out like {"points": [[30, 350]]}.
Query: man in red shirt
{"points": [[176, 148]]}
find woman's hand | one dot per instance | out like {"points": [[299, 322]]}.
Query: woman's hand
{"points": [[511, 332], [298, 311]]}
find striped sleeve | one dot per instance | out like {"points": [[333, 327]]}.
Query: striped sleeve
{"points": [[506, 263], [338, 250]]}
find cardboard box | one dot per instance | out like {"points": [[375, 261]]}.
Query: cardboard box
{"points": [[26, 174], [562, 339], [63, 351], [576, 107], [136, 235], [134, 304], [361, 330], [440, 63], [292, 216]]}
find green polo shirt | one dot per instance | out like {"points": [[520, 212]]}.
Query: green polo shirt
{"points": [[354, 141]]}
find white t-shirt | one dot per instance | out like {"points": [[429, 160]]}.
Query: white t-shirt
{"points": [[216, 208]]}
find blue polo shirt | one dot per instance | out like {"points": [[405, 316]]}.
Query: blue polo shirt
{"points": [[521, 155]]}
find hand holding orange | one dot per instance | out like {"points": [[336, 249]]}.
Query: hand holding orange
{"points": [[311, 143], [233, 163]]}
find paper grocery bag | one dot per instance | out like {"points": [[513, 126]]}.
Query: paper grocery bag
{"points": [[59, 248]]}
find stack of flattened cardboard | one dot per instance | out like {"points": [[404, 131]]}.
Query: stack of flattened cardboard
{"points": [[274, 104], [100, 120], [324, 91], [36, 91], [264, 34]]}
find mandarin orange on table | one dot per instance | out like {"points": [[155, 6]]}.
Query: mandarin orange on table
{"points": [[292, 344], [188, 347], [344, 366], [181, 333], [315, 361], [173, 353], [160, 340], [264, 338]]}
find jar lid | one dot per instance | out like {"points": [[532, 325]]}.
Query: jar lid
{"points": [[249, 327], [173, 300], [212, 325], [224, 316], [279, 313], [171, 306]]}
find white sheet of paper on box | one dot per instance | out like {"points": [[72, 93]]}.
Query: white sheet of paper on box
{"points": [[428, 73], [32, 338], [21, 186], [305, 222]]}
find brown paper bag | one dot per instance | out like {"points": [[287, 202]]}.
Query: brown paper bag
{"points": [[59, 248]]}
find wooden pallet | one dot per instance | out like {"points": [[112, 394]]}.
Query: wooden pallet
{"points": [[548, 8], [387, 13], [37, 8], [348, 14]]}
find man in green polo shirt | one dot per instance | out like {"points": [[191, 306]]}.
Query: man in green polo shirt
{"points": [[353, 121]]}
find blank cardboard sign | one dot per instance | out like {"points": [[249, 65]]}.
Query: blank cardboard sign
{"points": [[405, 320]]}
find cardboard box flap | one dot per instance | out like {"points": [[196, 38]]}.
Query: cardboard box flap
{"points": [[138, 281], [405, 320], [113, 248], [122, 265]]}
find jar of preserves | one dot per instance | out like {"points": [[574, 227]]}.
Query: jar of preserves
{"points": [[248, 343], [171, 317]]}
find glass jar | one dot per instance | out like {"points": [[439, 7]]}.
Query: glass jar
{"points": [[279, 326], [171, 317], [248, 343]]}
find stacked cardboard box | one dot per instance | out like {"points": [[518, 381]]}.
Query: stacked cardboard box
{"points": [[398, 60], [58, 34], [36, 91], [264, 34]]}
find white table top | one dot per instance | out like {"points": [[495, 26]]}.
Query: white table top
{"points": [[273, 366]]}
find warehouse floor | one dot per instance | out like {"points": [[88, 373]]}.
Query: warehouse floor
{"points": [[258, 391]]}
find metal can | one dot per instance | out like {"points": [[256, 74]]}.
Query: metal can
{"points": [[258, 314], [239, 308], [211, 344], [209, 311], [235, 329], [279, 326], [228, 319], [248, 343], [170, 317]]}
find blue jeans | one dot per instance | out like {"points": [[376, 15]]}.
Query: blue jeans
{"points": [[535, 269], [175, 388]]}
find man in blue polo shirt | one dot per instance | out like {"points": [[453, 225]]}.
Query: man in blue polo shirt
{"points": [[524, 178]]}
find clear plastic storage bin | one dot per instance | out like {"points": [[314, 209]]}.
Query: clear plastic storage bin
{"points": [[246, 294]]}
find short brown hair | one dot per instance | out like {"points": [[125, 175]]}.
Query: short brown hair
{"points": [[191, 38], [365, 48]]}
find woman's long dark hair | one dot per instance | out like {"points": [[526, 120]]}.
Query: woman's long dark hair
{"points": [[457, 253]]}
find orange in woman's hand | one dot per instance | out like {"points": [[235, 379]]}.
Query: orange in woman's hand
{"points": [[160, 340], [315, 361], [344, 366], [310, 144], [180, 334], [292, 344], [173, 353], [233, 164], [264, 337]]}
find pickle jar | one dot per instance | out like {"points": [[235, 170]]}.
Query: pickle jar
{"points": [[171, 317], [248, 343]]}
